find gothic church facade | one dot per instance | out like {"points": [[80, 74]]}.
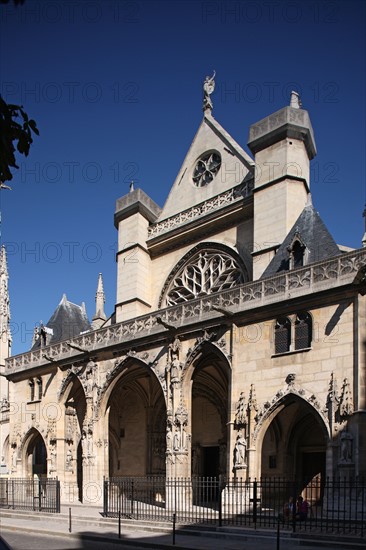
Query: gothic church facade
{"points": [[237, 343]]}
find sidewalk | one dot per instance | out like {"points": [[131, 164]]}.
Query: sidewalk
{"points": [[88, 524]]}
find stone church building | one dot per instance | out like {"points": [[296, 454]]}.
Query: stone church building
{"points": [[237, 342]]}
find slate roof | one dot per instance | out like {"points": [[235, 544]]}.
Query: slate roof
{"points": [[314, 235], [67, 321]]}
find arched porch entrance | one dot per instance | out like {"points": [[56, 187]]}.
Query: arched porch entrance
{"points": [[137, 424], [35, 455], [295, 442], [210, 383]]}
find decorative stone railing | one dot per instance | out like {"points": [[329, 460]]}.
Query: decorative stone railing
{"points": [[228, 197], [316, 277]]}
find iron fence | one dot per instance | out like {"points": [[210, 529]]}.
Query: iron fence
{"points": [[42, 495], [329, 506]]}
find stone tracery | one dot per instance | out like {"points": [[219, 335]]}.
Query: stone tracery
{"points": [[207, 272]]}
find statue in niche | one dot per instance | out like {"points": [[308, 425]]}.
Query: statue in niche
{"points": [[69, 460], [346, 450], [176, 441], [53, 456], [174, 365], [90, 383], [14, 459], [240, 452]]}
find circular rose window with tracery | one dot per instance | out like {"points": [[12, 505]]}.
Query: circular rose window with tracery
{"points": [[205, 273], [206, 169]]}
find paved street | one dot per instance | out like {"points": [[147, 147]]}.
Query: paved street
{"points": [[30, 541], [38, 541]]}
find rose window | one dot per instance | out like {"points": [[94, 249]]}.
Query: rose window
{"points": [[207, 272], [206, 169]]}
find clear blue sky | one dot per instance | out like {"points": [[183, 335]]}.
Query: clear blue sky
{"points": [[116, 90]]}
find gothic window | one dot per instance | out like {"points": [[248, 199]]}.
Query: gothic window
{"points": [[39, 387], [206, 272], [282, 335], [303, 331], [297, 253], [31, 389], [293, 334], [206, 169]]}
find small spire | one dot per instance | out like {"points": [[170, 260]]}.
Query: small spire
{"points": [[208, 89], [63, 300], [295, 100], [99, 316], [132, 188]]}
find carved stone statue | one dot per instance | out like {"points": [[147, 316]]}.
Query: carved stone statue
{"points": [[68, 461], [208, 89], [240, 452], [346, 450], [53, 456]]}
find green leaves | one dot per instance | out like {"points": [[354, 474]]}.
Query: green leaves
{"points": [[15, 130]]}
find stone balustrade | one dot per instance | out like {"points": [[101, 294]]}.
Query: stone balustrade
{"points": [[341, 270]]}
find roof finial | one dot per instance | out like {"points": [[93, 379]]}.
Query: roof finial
{"points": [[208, 89], [364, 235], [295, 100], [132, 186]]}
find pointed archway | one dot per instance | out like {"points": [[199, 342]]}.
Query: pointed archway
{"points": [[35, 454], [137, 423], [210, 387], [295, 442], [74, 401]]}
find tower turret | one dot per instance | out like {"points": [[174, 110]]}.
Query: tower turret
{"points": [[283, 144]]}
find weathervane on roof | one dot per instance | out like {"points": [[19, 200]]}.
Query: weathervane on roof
{"points": [[208, 89]]}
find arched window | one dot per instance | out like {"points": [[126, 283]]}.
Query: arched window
{"points": [[297, 255], [303, 330], [39, 385], [31, 389], [282, 335]]}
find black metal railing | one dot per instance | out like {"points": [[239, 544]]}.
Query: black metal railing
{"points": [[329, 506], [42, 495]]}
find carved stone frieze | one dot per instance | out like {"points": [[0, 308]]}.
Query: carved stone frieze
{"points": [[228, 197], [269, 406]]}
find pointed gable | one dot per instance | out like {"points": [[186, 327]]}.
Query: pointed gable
{"points": [[215, 153], [310, 231], [67, 321]]}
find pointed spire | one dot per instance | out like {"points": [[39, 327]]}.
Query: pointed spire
{"points": [[99, 316]]}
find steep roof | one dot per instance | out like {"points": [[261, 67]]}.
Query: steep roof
{"points": [[67, 321], [236, 167], [310, 228]]}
